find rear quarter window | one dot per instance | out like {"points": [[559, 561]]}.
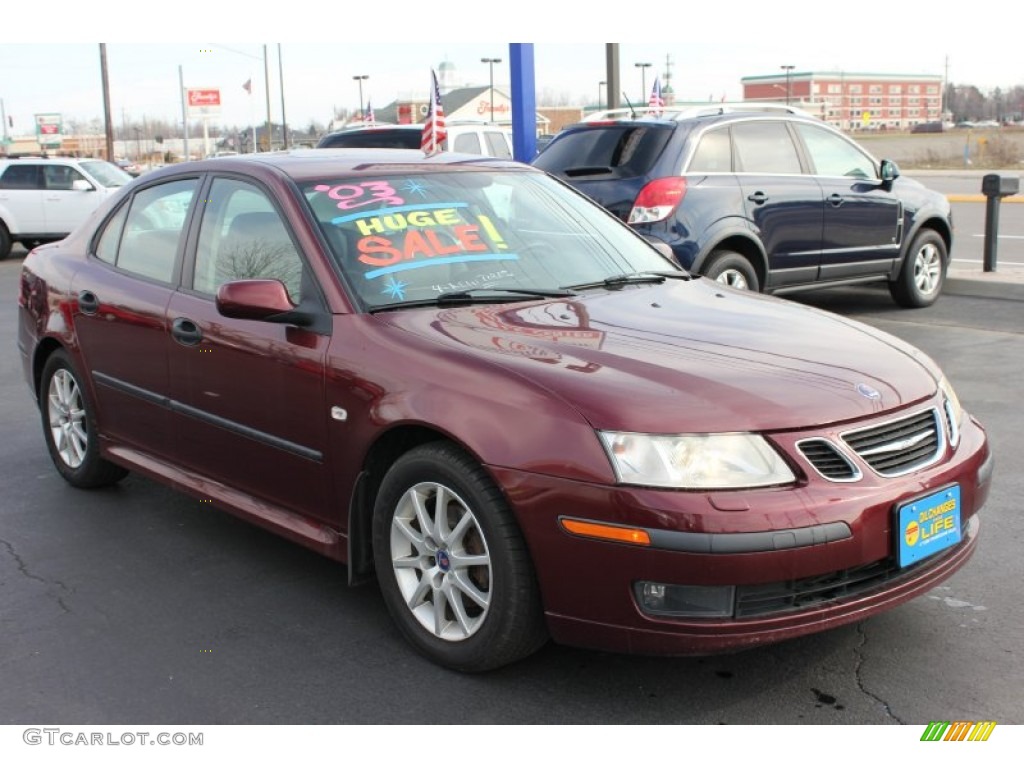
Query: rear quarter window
{"points": [[619, 150]]}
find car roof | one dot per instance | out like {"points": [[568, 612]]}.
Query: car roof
{"points": [[310, 164]]}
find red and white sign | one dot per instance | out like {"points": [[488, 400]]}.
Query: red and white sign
{"points": [[203, 102]]}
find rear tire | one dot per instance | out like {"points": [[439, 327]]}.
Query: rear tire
{"points": [[69, 427], [452, 564], [732, 269], [5, 242], [923, 273]]}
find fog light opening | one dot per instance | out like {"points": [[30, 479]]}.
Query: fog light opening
{"points": [[685, 600]]}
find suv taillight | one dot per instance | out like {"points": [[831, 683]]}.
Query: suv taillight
{"points": [[657, 200]]}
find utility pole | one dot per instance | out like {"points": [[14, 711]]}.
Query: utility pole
{"points": [[611, 53], [184, 111], [108, 127], [266, 75], [280, 76]]}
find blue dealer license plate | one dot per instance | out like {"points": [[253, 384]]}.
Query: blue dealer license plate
{"points": [[928, 525]]}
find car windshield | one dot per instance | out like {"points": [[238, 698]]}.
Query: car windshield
{"points": [[414, 238], [107, 174]]}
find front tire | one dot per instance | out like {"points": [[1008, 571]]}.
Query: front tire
{"points": [[69, 427], [923, 273], [452, 564], [732, 269]]}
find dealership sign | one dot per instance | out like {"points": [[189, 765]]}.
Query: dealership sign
{"points": [[49, 130], [203, 102]]}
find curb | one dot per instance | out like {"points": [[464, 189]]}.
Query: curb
{"points": [[982, 199], [994, 287]]}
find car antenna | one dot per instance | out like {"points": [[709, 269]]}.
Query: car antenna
{"points": [[632, 112]]}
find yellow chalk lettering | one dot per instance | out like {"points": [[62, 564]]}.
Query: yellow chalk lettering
{"points": [[370, 226], [446, 217]]}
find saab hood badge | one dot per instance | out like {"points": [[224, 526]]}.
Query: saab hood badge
{"points": [[869, 392]]}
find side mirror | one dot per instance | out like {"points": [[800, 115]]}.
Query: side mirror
{"points": [[266, 300], [890, 171], [81, 185]]}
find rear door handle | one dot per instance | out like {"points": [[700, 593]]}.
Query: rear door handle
{"points": [[835, 200], [186, 332], [758, 197], [88, 303]]}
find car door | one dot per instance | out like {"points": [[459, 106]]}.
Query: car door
{"points": [[123, 289], [249, 395], [21, 198], [64, 207], [784, 204], [863, 218]]}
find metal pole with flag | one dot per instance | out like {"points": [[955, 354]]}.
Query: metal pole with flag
{"points": [[247, 85], [656, 103], [434, 129]]}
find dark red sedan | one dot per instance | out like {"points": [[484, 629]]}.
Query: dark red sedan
{"points": [[460, 376]]}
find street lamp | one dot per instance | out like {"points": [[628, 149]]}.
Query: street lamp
{"points": [[643, 65], [490, 63], [360, 79], [600, 103], [788, 68]]}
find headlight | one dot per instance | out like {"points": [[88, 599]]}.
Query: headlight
{"points": [[954, 412], [695, 461]]}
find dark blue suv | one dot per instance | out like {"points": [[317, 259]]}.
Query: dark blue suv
{"points": [[764, 198]]}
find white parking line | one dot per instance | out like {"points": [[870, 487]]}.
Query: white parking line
{"points": [[1004, 237]]}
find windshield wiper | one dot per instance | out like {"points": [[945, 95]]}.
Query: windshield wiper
{"points": [[473, 295], [636, 278]]}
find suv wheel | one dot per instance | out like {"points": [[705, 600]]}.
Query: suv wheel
{"points": [[5, 242], [924, 271], [732, 269]]}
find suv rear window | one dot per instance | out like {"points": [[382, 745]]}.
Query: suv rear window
{"points": [[376, 139], [623, 151]]}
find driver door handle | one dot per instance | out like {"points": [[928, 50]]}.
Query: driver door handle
{"points": [[758, 197], [186, 332]]}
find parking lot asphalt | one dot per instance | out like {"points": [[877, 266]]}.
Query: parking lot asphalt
{"points": [[140, 605]]}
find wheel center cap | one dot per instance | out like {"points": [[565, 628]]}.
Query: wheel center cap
{"points": [[443, 561]]}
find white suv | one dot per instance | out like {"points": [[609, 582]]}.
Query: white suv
{"points": [[469, 138], [45, 198]]}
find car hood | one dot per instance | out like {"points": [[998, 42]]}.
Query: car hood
{"points": [[688, 356]]}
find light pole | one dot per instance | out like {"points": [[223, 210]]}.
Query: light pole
{"points": [[490, 63], [600, 103], [643, 65], [788, 68], [360, 79]]}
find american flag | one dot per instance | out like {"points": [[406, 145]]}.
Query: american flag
{"points": [[656, 102], [369, 113], [434, 130]]}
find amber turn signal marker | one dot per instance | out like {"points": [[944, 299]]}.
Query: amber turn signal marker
{"points": [[606, 532]]}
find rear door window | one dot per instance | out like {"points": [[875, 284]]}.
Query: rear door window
{"points": [[468, 143], [713, 154], [497, 144], [765, 147], [22, 177]]}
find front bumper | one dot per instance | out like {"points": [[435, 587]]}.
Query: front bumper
{"points": [[588, 586]]}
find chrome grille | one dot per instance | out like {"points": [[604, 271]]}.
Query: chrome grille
{"points": [[828, 460], [900, 446]]}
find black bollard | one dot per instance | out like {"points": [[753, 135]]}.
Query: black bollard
{"points": [[995, 187]]}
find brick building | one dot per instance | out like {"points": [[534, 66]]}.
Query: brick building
{"points": [[854, 100]]}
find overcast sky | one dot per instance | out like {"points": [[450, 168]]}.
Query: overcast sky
{"points": [[53, 65]]}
